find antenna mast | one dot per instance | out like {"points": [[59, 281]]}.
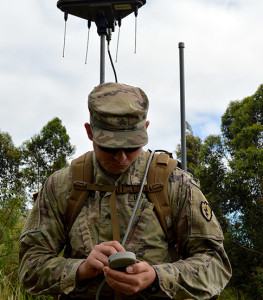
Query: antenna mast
{"points": [[182, 102]]}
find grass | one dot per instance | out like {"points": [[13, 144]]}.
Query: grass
{"points": [[232, 294], [14, 291]]}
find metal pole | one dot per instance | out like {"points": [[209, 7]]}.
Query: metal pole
{"points": [[102, 58], [182, 102]]}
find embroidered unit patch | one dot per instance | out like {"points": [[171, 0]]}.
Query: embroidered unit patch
{"points": [[122, 122], [206, 210]]}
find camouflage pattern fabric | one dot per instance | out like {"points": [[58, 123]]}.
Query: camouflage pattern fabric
{"points": [[202, 271], [118, 115]]}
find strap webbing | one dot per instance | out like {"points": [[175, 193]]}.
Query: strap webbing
{"points": [[160, 170], [120, 189], [114, 217], [156, 188], [81, 171]]}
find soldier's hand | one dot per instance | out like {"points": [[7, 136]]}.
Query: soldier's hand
{"points": [[136, 278], [98, 259]]}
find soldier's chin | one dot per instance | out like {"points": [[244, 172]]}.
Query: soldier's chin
{"points": [[117, 169]]}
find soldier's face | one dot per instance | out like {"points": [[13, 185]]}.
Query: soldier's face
{"points": [[116, 162]]}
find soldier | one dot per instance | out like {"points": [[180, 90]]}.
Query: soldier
{"points": [[118, 130]]}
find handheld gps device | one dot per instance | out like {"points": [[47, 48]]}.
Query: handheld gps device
{"points": [[120, 260]]}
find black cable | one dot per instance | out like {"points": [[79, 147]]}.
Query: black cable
{"points": [[112, 63]]}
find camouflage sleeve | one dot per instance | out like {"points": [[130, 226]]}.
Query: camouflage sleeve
{"points": [[41, 269], [203, 269]]}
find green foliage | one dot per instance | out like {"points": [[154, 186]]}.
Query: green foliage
{"points": [[193, 147], [45, 153], [242, 123], [230, 170], [231, 293], [243, 191], [243, 134], [10, 160], [212, 172], [14, 291], [10, 230], [12, 204], [23, 168]]}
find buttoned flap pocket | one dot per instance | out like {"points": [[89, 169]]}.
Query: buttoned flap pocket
{"points": [[201, 219], [81, 235], [146, 237]]}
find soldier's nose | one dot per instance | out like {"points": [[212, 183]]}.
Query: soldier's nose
{"points": [[120, 156]]}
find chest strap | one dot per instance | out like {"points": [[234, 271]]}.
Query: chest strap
{"points": [[156, 189], [120, 189]]}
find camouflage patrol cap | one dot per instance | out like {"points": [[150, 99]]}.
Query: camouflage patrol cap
{"points": [[118, 115]]}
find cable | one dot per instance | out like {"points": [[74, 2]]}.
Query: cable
{"points": [[100, 288], [114, 71], [132, 216], [138, 199], [108, 37]]}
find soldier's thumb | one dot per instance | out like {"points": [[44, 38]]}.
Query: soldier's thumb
{"points": [[130, 269]]}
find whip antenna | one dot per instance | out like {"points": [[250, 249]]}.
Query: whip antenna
{"points": [[117, 49], [136, 15], [65, 30], [87, 49]]}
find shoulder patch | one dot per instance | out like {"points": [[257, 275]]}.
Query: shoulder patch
{"points": [[206, 210]]}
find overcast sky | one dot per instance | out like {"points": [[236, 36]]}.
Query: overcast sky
{"points": [[223, 62]]}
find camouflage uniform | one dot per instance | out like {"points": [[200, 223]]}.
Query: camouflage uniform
{"points": [[202, 274], [202, 271]]}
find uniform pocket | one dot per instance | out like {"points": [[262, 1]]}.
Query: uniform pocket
{"points": [[81, 238], [146, 237]]}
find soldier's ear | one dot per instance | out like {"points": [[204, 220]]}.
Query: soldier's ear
{"points": [[89, 131], [147, 124]]}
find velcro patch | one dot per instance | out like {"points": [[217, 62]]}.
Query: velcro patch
{"points": [[206, 210], [202, 221]]}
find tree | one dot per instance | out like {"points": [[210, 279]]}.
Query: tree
{"points": [[243, 136], [211, 172], [193, 147], [10, 158], [11, 185], [45, 153], [23, 169], [12, 203], [230, 169]]}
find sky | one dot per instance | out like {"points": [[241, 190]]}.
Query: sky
{"points": [[223, 62]]}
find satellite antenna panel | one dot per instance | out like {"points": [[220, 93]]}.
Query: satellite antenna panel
{"points": [[106, 14], [91, 9]]}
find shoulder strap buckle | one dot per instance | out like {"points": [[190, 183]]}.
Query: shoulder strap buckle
{"points": [[80, 185], [155, 187]]}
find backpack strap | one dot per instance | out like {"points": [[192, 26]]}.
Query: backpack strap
{"points": [[82, 176], [157, 180], [160, 170], [81, 172]]}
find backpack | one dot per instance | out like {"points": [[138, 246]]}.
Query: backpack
{"points": [[160, 169]]}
